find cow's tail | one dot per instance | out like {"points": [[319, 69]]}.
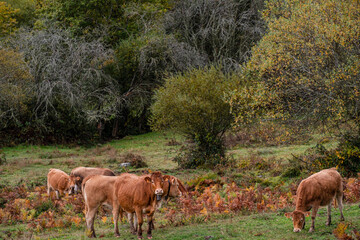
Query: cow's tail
{"points": [[182, 187], [335, 203]]}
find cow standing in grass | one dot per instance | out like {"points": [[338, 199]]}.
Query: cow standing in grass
{"points": [[83, 172], [60, 182], [317, 190], [99, 190], [173, 187], [96, 190], [136, 194]]}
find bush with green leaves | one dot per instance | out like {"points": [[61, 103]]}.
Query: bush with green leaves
{"points": [[26, 11], [346, 158], [139, 67], [113, 21], [194, 104]]}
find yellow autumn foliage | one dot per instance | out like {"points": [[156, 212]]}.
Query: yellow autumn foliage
{"points": [[308, 63], [7, 20]]}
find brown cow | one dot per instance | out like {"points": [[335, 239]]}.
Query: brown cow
{"points": [[135, 194], [60, 182], [173, 187], [97, 190], [83, 172], [317, 190], [100, 191]]}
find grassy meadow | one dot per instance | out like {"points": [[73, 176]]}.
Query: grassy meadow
{"points": [[257, 175]]}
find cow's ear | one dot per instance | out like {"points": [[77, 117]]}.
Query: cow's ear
{"points": [[147, 179], [307, 214], [166, 177], [289, 215]]}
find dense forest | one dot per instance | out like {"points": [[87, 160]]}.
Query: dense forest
{"points": [[87, 71]]}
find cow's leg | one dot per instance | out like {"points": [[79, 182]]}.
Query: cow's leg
{"points": [[339, 199], [48, 187], [151, 219], [150, 225], [131, 220], [116, 210], [135, 222], [49, 190], [90, 216], [139, 216], [328, 222], [57, 194], [313, 216]]}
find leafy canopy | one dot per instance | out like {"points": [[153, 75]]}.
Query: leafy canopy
{"points": [[7, 19], [309, 61], [193, 103]]}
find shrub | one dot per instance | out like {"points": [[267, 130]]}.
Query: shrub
{"points": [[346, 158], [135, 160], [194, 104], [2, 158]]}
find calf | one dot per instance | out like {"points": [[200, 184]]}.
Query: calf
{"points": [[317, 190], [83, 172], [136, 194], [97, 190], [60, 182]]}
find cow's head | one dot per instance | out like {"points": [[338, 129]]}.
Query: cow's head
{"points": [[157, 182], [78, 181], [298, 218], [72, 187], [173, 187]]}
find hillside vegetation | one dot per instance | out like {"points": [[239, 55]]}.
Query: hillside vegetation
{"points": [[247, 201], [240, 99]]}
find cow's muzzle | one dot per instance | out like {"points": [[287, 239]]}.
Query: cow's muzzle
{"points": [[297, 230], [159, 193]]}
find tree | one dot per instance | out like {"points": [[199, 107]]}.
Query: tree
{"points": [[194, 104], [139, 67], [25, 11], [73, 92], [7, 19], [308, 63], [222, 30], [15, 89], [111, 20]]}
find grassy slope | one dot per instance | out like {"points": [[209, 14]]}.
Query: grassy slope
{"points": [[31, 164], [256, 226]]}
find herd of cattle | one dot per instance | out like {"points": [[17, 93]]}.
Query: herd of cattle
{"points": [[139, 195], [136, 195]]}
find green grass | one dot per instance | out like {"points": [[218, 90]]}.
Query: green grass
{"points": [[30, 164], [257, 226]]}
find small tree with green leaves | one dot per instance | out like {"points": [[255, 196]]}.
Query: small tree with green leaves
{"points": [[194, 104]]}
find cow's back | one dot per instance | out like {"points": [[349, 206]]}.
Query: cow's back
{"points": [[132, 191], [320, 188], [98, 188], [57, 179], [83, 172]]}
